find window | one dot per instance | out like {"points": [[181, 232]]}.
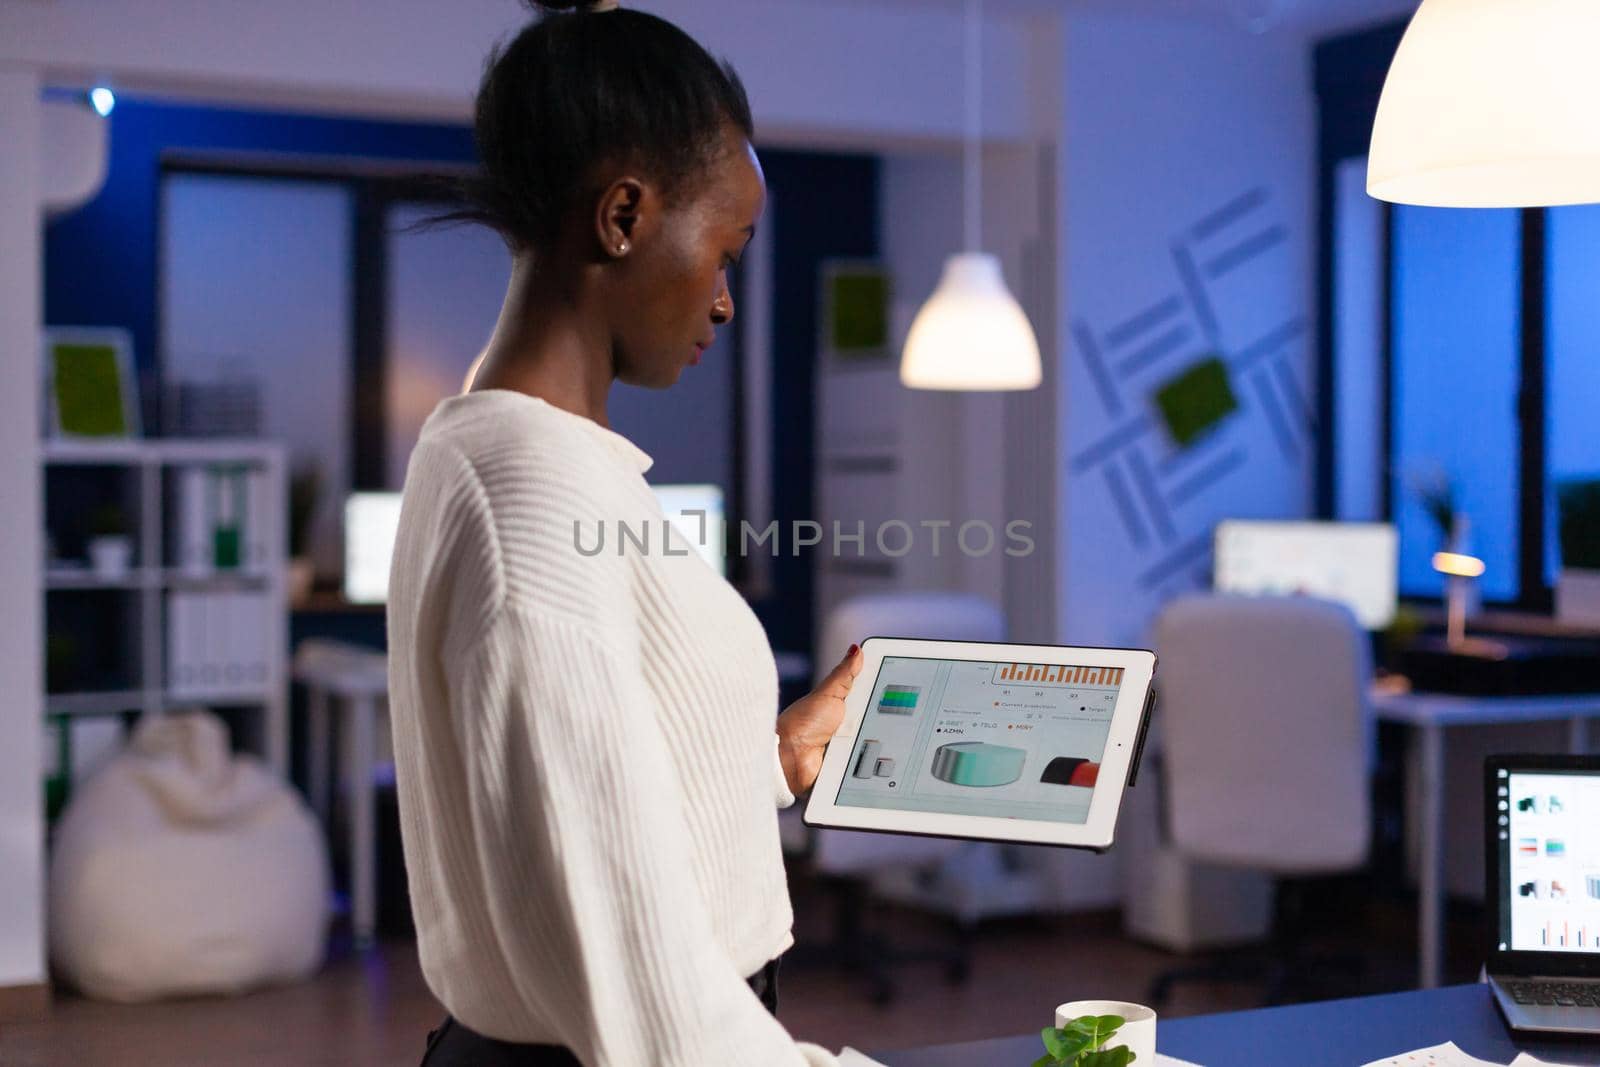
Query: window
{"points": [[1455, 376], [1572, 341], [1456, 344]]}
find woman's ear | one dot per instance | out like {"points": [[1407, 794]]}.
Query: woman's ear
{"points": [[617, 215]]}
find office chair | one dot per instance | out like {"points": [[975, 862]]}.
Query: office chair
{"points": [[1266, 741], [846, 859]]}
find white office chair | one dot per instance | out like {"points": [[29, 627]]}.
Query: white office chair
{"points": [[1266, 740], [849, 858]]}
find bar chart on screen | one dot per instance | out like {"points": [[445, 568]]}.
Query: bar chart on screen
{"points": [[899, 699], [1564, 935], [1057, 674]]}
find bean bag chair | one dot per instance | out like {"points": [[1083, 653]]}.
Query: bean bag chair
{"points": [[180, 869]]}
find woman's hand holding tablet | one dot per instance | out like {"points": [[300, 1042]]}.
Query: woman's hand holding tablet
{"points": [[1002, 742]]}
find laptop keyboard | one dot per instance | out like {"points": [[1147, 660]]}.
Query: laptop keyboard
{"points": [[1565, 994]]}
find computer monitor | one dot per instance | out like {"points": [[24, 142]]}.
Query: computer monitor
{"points": [[1353, 563], [696, 513], [372, 518], [370, 522]]}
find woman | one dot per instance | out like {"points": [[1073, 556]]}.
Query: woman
{"points": [[587, 766]]}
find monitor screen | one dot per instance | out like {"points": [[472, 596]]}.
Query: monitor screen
{"points": [[696, 513], [371, 520], [1005, 740], [1355, 564], [1549, 860]]}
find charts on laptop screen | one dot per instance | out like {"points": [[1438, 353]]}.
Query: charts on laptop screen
{"points": [[967, 737], [1353, 563], [1549, 836]]}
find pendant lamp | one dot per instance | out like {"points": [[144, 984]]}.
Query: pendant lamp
{"points": [[1491, 103], [971, 334]]}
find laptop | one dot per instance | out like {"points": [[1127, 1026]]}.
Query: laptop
{"points": [[1543, 861]]}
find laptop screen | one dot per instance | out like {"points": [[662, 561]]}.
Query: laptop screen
{"points": [[1548, 832]]}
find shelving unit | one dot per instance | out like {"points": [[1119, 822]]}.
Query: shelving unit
{"points": [[143, 476]]}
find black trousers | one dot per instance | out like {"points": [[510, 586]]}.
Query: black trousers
{"points": [[453, 1045]]}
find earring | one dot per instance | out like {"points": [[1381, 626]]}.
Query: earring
{"points": [[622, 248]]}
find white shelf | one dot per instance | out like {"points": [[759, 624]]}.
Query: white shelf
{"points": [[84, 578], [163, 450], [101, 702], [69, 450], [114, 701], [219, 579], [182, 451], [216, 695], [153, 464]]}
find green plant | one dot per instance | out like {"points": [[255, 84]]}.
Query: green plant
{"points": [[1578, 508], [108, 520], [1403, 632], [1437, 495], [1198, 399], [1078, 1044], [305, 486]]}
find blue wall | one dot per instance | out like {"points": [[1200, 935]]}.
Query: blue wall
{"points": [[101, 261]]}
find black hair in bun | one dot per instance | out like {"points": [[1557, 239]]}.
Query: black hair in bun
{"points": [[569, 93], [563, 5]]}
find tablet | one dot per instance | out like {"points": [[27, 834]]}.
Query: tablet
{"points": [[1000, 742]]}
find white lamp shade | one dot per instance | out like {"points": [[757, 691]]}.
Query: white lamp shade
{"points": [[1491, 103], [971, 334]]}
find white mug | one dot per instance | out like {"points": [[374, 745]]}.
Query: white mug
{"points": [[1138, 1031]]}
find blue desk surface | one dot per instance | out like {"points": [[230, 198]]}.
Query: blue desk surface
{"points": [[1335, 1033]]}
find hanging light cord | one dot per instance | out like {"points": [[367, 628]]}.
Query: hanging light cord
{"points": [[970, 159]]}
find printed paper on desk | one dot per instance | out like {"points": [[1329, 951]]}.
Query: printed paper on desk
{"points": [[1445, 1055], [1525, 1060]]}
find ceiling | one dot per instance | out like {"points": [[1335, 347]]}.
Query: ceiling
{"points": [[1312, 18]]}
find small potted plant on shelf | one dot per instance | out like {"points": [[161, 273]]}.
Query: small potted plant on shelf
{"points": [[1081, 1043], [1437, 495], [110, 545], [305, 486], [1578, 584]]}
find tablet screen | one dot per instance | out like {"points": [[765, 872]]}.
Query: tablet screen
{"points": [[962, 737]]}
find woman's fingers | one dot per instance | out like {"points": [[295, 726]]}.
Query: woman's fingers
{"points": [[837, 683]]}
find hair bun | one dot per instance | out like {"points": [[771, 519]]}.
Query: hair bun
{"points": [[554, 6]]}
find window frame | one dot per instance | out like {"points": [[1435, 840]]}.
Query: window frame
{"points": [[1349, 73]]}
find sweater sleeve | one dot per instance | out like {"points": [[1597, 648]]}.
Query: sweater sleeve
{"points": [[577, 820], [785, 796]]}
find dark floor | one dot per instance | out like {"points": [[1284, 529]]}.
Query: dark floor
{"points": [[375, 1009]]}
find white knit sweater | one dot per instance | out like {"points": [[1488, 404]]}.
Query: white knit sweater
{"points": [[585, 752]]}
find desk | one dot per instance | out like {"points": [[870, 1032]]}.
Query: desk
{"points": [[1334, 1033], [1429, 714], [358, 678]]}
